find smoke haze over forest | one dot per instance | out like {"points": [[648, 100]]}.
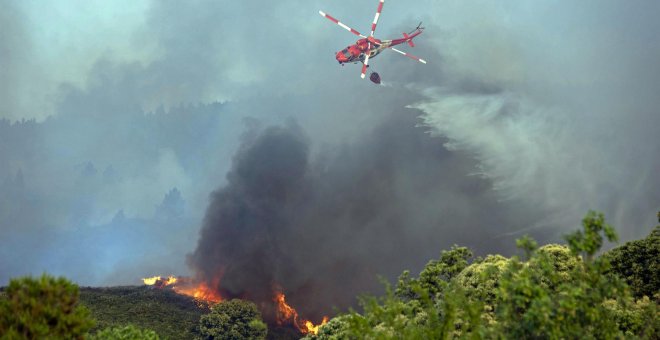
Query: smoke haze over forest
{"points": [[145, 138]]}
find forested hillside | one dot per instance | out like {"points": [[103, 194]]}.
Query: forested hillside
{"points": [[171, 315], [570, 290]]}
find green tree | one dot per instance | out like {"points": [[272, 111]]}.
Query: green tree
{"points": [[480, 281], [129, 332], [45, 307], [556, 292], [589, 241], [528, 245], [638, 263], [435, 276], [639, 319], [554, 296], [234, 319], [431, 306], [560, 261], [452, 314]]}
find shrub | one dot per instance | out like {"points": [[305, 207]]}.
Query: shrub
{"points": [[36, 308], [234, 319], [129, 332]]}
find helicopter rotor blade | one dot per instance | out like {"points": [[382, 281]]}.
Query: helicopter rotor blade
{"points": [[380, 9], [366, 62], [341, 24], [409, 55]]}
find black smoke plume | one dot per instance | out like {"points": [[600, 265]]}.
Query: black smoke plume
{"points": [[322, 227]]}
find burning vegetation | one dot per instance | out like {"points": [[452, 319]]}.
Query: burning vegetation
{"points": [[159, 281], [287, 315], [281, 312], [282, 207], [185, 286]]}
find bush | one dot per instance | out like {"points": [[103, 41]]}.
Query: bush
{"points": [[435, 276], [638, 263], [234, 319], [45, 307], [129, 332], [557, 292], [481, 279]]}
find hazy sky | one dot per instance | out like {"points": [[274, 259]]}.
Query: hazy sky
{"points": [[538, 110]]}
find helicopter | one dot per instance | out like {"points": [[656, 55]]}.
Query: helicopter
{"points": [[368, 46]]}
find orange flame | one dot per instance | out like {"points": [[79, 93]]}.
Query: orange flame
{"points": [[314, 329], [284, 311], [150, 281], [200, 291], [160, 281], [185, 286], [287, 314]]}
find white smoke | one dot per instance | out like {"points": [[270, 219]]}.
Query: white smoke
{"points": [[552, 157]]}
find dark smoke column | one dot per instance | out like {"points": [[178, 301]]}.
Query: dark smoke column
{"points": [[322, 229], [240, 249]]}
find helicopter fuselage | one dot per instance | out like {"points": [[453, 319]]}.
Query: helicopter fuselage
{"points": [[356, 53]]}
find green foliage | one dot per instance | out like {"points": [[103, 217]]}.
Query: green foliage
{"points": [[435, 276], [170, 315], [528, 245], [129, 332], [480, 281], [553, 293], [556, 296], [42, 307], [590, 240], [560, 264], [452, 314], [530, 308], [234, 319], [641, 318], [638, 263], [431, 306]]}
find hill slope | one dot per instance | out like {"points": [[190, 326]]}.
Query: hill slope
{"points": [[171, 315]]}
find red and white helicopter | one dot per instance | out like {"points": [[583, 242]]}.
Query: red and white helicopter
{"points": [[369, 47]]}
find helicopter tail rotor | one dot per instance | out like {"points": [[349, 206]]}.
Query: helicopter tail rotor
{"points": [[418, 28]]}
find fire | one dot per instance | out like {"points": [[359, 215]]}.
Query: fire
{"points": [[204, 293], [314, 329], [199, 291], [185, 286], [284, 311], [287, 314], [160, 281]]}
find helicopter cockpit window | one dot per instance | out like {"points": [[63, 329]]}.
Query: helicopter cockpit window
{"points": [[346, 53]]}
